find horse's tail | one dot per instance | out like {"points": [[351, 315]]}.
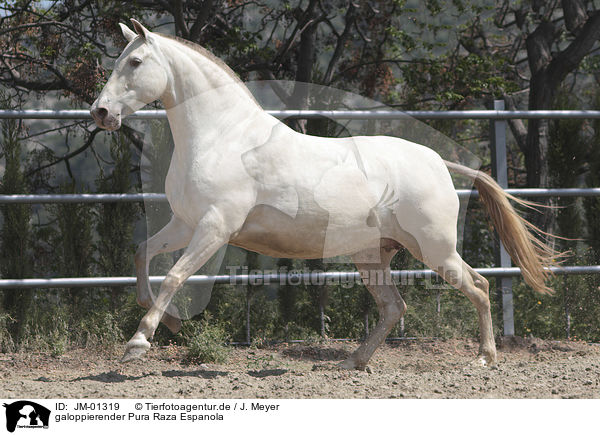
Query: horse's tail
{"points": [[518, 236]]}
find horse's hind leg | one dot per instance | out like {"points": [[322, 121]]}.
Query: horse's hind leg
{"points": [[175, 235], [378, 280], [476, 288]]}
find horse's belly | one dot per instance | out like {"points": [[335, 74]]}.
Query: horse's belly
{"points": [[277, 234]]}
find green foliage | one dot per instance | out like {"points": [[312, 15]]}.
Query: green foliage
{"points": [[51, 327], [16, 226], [592, 205], [73, 239], [15, 235], [73, 246], [115, 221], [287, 297], [205, 341], [47, 328], [457, 79], [347, 309], [544, 316], [101, 329]]}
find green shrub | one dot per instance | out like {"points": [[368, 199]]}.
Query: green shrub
{"points": [[100, 329], [205, 341], [46, 330]]}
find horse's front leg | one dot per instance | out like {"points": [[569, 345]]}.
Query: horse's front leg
{"points": [[175, 235], [210, 234]]}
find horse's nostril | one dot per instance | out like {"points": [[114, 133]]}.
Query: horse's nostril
{"points": [[101, 112]]}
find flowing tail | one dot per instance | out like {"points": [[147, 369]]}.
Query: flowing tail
{"points": [[518, 236]]}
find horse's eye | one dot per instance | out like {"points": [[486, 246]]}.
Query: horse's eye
{"points": [[135, 61]]}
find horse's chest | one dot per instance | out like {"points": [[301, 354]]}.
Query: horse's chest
{"points": [[186, 191], [196, 184]]}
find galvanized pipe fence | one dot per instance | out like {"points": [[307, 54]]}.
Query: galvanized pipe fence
{"points": [[497, 118], [498, 113]]}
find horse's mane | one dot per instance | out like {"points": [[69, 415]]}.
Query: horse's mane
{"points": [[216, 60]]}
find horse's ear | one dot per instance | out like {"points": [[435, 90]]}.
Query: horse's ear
{"points": [[127, 32], [139, 29]]}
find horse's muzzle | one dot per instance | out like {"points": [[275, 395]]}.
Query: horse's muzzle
{"points": [[104, 119]]}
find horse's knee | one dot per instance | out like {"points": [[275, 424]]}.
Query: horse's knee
{"points": [[171, 283]]}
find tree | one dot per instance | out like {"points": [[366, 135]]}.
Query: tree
{"points": [[557, 38], [116, 220], [568, 149], [15, 253], [526, 48], [57, 45], [73, 247], [517, 50]]}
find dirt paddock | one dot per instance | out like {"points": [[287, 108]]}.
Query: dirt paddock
{"points": [[413, 369]]}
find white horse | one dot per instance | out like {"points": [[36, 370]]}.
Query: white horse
{"points": [[240, 176]]}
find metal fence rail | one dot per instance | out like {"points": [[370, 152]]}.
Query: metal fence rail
{"points": [[401, 276], [161, 197], [82, 198], [334, 114]]}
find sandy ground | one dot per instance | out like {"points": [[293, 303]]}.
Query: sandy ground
{"points": [[413, 369]]}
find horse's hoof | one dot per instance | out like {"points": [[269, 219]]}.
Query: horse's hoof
{"points": [[133, 353], [484, 361], [479, 362], [171, 322], [135, 350]]}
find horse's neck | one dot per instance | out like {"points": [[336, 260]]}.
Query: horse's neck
{"points": [[202, 98]]}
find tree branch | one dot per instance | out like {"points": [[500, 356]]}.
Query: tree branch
{"points": [[206, 10], [538, 47], [72, 29], [341, 41], [517, 126], [70, 155], [575, 15], [568, 59], [180, 24]]}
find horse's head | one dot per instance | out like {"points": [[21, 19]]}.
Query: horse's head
{"points": [[139, 78]]}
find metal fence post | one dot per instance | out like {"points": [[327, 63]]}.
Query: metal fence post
{"points": [[500, 173]]}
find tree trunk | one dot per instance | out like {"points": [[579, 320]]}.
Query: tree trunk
{"points": [[305, 61]]}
